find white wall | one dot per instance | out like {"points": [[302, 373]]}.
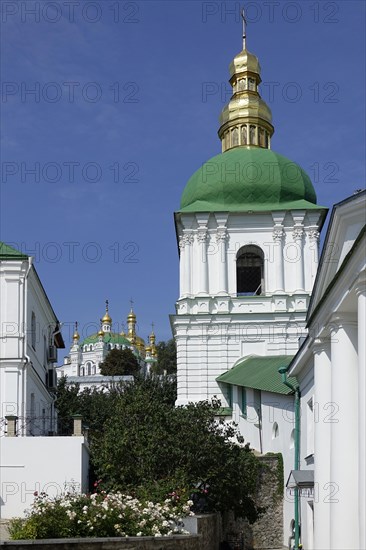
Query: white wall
{"points": [[50, 464]]}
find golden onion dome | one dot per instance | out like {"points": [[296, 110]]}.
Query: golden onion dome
{"points": [[245, 62], [131, 316], [101, 333], [107, 318], [76, 335]]}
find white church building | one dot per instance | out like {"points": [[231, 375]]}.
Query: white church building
{"points": [[248, 230], [82, 365]]}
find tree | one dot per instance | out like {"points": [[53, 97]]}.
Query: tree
{"points": [[120, 362], [151, 447], [167, 357]]}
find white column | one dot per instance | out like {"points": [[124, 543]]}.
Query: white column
{"points": [[221, 237], [203, 267], [361, 315], [322, 407], [278, 266], [188, 239], [343, 491], [297, 234], [312, 254], [182, 267]]}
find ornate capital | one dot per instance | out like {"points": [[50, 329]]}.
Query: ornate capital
{"points": [[186, 239], [221, 235], [313, 235], [297, 233], [202, 236], [278, 234]]}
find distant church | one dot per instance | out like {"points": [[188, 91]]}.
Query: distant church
{"points": [[82, 365]]}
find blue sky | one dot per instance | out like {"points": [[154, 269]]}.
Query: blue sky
{"points": [[121, 118]]}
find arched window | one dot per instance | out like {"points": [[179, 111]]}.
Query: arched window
{"points": [[275, 431], [88, 369], [249, 271], [109, 346], [82, 371], [90, 347], [93, 370]]}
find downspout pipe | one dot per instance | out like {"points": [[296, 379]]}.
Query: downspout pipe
{"points": [[296, 391]]}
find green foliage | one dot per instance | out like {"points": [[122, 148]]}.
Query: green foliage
{"points": [[167, 357], [142, 444], [120, 362], [94, 405], [150, 443]]}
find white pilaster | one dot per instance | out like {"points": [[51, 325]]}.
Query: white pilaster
{"points": [[311, 256], [221, 238], [322, 406], [297, 235], [344, 486], [361, 316], [278, 235], [182, 281], [203, 267], [187, 275]]}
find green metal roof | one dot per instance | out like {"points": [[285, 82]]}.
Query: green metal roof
{"points": [[109, 338], [260, 373], [248, 179], [9, 253]]}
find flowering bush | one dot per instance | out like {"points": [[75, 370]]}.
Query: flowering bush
{"points": [[100, 515]]}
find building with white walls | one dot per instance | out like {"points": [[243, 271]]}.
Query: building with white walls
{"points": [[248, 229], [29, 339], [31, 460], [330, 368]]}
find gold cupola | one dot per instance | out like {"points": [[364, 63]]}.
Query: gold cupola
{"points": [[131, 325], [246, 120], [76, 335], [106, 321]]}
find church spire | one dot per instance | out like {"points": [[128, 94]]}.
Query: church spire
{"points": [[246, 120]]}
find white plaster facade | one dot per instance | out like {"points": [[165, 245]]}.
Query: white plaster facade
{"points": [[53, 465], [29, 339], [330, 368], [28, 343], [213, 325]]}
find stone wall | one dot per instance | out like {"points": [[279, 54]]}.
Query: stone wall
{"points": [[267, 532]]}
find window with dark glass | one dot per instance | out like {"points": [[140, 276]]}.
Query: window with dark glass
{"points": [[249, 271]]}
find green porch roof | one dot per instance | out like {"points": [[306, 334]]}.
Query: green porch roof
{"points": [[260, 373], [9, 253]]}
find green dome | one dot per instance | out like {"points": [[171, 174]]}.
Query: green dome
{"points": [[248, 179], [108, 338]]}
